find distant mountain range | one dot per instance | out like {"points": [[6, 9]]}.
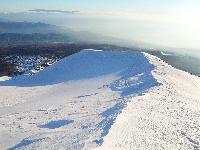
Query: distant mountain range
{"points": [[34, 38], [32, 33], [3, 20], [37, 32], [27, 27]]}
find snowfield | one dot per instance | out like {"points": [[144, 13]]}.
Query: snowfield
{"points": [[102, 100]]}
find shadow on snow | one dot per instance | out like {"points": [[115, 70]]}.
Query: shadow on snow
{"points": [[133, 69], [134, 81], [56, 124]]}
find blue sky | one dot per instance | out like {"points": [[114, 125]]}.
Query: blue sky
{"points": [[94, 4]]}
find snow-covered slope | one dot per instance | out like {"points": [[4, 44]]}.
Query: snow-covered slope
{"points": [[165, 117], [104, 100], [85, 91], [84, 65]]}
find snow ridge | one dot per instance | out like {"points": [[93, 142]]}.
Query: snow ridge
{"points": [[165, 117], [74, 103], [103, 100]]}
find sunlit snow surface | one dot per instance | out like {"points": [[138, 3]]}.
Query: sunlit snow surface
{"points": [[73, 103], [165, 117], [76, 103]]}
